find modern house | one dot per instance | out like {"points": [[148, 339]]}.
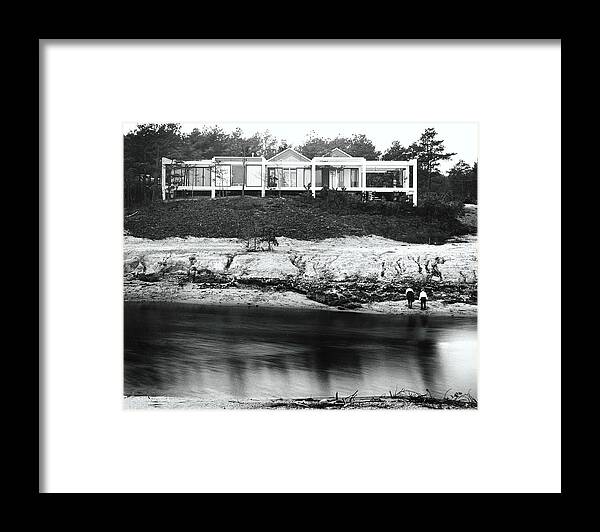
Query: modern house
{"points": [[290, 171]]}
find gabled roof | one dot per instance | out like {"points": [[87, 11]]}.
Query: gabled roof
{"points": [[336, 152], [289, 154]]}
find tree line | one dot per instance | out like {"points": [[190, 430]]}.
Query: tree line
{"points": [[148, 143]]}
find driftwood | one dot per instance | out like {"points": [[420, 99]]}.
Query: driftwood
{"points": [[391, 400]]}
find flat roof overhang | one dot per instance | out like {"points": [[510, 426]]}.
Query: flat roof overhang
{"points": [[339, 160]]}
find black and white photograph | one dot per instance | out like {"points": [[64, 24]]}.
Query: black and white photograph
{"points": [[299, 265]]}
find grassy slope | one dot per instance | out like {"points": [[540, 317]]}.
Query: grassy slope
{"points": [[234, 217]]}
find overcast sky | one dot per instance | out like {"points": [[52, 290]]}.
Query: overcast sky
{"points": [[459, 137]]}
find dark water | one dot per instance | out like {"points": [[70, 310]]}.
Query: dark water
{"points": [[248, 352]]}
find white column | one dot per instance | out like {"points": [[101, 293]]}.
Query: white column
{"points": [[364, 179], [415, 182], [313, 179], [263, 179], [163, 179], [213, 182]]}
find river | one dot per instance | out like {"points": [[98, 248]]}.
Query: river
{"points": [[220, 352]]}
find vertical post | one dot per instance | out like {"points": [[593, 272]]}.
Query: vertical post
{"points": [[313, 179], [213, 180], [363, 181], [263, 178], [163, 180], [415, 182], [280, 173], [244, 170]]}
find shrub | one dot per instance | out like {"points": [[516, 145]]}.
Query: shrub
{"points": [[255, 234], [441, 207], [344, 202], [268, 236]]}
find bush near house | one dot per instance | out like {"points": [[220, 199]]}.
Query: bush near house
{"points": [[296, 217], [343, 202], [442, 207]]}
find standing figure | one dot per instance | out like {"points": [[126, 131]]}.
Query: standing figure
{"points": [[423, 298], [410, 296], [192, 269]]}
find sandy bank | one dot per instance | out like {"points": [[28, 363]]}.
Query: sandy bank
{"points": [[365, 274], [155, 292], [359, 403], [336, 258]]}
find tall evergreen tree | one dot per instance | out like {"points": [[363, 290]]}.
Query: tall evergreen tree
{"points": [[430, 151]]}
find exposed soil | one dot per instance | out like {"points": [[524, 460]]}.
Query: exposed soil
{"points": [[351, 273]]}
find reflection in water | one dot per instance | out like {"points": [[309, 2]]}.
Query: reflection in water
{"points": [[238, 352]]}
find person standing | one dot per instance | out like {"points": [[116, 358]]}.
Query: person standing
{"points": [[423, 298], [410, 296], [192, 269]]}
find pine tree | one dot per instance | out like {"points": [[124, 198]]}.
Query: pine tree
{"points": [[430, 151]]}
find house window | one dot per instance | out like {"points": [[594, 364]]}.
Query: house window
{"points": [[195, 176], [345, 177], [253, 176], [205, 177], [177, 176], [272, 178], [307, 172], [350, 178], [336, 177], [402, 177], [410, 176], [237, 177], [285, 178], [318, 177], [223, 175]]}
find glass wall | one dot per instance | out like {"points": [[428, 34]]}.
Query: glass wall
{"points": [[288, 177], [222, 175], [347, 178], [318, 177], [175, 175], [335, 177], [271, 178], [339, 177], [197, 176], [307, 176], [254, 176], [188, 176], [237, 175], [303, 177], [386, 178]]}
